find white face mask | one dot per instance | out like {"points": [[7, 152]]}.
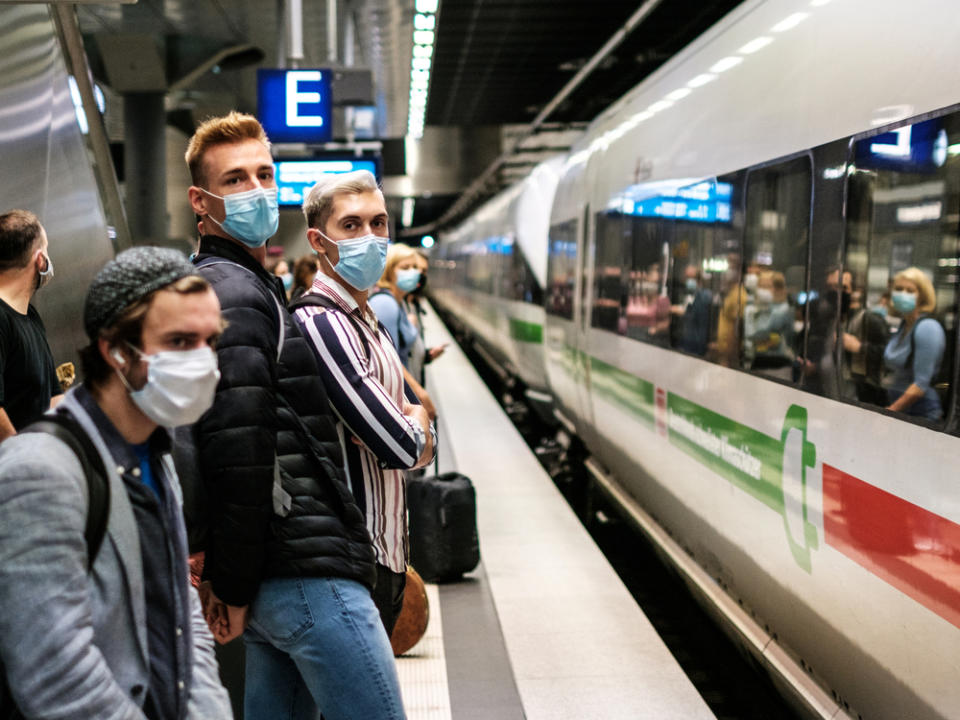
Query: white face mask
{"points": [[180, 385]]}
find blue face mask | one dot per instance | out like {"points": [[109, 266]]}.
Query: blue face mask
{"points": [[691, 285], [904, 302], [252, 217], [362, 259], [407, 280]]}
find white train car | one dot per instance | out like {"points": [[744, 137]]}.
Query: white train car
{"points": [[722, 244], [493, 271]]}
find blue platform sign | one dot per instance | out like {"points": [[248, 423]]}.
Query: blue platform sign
{"points": [[296, 177], [295, 106]]}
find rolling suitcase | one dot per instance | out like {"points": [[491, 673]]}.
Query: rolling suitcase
{"points": [[443, 526]]}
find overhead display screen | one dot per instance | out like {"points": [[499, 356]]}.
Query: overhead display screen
{"points": [[296, 177], [295, 106], [704, 202]]}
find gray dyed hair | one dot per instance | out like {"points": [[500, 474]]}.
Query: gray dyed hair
{"points": [[318, 205]]}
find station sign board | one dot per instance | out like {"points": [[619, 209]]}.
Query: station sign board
{"points": [[295, 106], [296, 177]]}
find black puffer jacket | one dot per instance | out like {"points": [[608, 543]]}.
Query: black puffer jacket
{"points": [[251, 423]]}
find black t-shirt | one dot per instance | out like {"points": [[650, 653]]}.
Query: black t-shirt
{"points": [[28, 377]]}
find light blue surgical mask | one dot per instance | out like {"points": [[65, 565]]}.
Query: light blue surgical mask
{"points": [[904, 302], [407, 280], [362, 260], [287, 281], [252, 217], [691, 285]]}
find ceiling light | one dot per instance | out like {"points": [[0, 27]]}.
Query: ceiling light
{"points": [[423, 37], [407, 214], [427, 6], [679, 94], [790, 22], [659, 105], [756, 44], [725, 64], [424, 22], [701, 80]]}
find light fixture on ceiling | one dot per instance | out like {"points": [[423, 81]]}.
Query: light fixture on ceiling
{"points": [[421, 63]]}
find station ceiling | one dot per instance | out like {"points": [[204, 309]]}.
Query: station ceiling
{"points": [[496, 62]]}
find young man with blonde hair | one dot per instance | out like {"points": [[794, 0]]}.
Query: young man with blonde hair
{"points": [[288, 557], [383, 429]]}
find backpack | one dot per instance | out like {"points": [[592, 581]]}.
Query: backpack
{"points": [[68, 431]]}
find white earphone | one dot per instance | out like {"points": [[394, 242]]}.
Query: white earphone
{"points": [[118, 356]]}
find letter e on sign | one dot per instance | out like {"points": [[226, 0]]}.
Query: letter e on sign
{"points": [[297, 97]]}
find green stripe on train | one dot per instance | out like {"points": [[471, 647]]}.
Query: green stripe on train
{"points": [[621, 388], [747, 458], [526, 331]]}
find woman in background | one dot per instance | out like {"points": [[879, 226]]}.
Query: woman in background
{"points": [[915, 352]]}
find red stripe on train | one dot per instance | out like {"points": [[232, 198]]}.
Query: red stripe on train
{"points": [[915, 550]]}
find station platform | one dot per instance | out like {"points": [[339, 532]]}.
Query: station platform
{"points": [[544, 629]]}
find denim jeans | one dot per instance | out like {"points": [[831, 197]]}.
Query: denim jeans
{"points": [[317, 644]]}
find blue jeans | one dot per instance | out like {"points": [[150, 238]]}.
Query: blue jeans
{"points": [[317, 644]]}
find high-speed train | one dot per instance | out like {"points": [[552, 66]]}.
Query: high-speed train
{"points": [[708, 293]]}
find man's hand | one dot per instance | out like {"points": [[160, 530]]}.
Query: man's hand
{"points": [[226, 622], [436, 351]]}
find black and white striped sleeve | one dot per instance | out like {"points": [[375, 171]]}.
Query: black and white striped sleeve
{"points": [[356, 395]]}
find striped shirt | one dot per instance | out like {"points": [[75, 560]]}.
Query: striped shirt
{"points": [[367, 394]]}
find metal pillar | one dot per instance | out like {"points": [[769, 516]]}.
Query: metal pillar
{"points": [[144, 163]]}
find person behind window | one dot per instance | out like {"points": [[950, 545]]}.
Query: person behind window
{"points": [[915, 352], [728, 330], [772, 327], [865, 336], [694, 313], [648, 310]]}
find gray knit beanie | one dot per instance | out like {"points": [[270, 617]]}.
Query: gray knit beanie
{"points": [[130, 276]]}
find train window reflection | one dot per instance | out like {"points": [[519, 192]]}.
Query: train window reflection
{"points": [[610, 275], [646, 313], [901, 261], [698, 265], [562, 269], [775, 265]]}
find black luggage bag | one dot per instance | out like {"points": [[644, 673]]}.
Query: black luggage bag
{"points": [[444, 543]]}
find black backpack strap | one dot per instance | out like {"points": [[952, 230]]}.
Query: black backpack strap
{"points": [[317, 300], [68, 431]]}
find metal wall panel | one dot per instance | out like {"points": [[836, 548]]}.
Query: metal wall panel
{"points": [[47, 168]]}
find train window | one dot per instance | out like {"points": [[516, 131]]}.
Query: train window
{"points": [[562, 269], [609, 277], [776, 237], [901, 269], [698, 263], [647, 309]]}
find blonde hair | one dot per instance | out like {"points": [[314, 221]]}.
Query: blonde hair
{"points": [[318, 204], [926, 296], [234, 127], [396, 254]]}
